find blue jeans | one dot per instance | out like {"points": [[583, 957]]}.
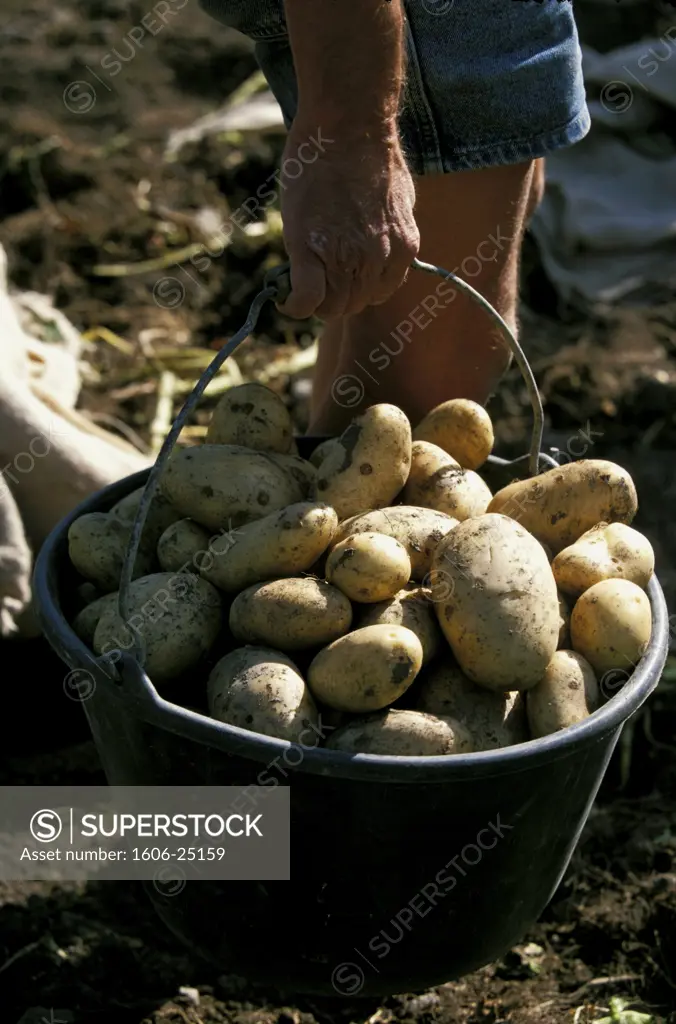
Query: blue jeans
{"points": [[488, 82]]}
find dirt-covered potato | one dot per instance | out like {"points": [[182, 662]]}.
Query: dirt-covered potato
{"points": [[607, 551], [410, 607], [367, 669], [161, 514], [285, 543], [260, 689], [493, 720], [369, 465], [368, 567], [564, 622], [222, 486], [437, 481], [558, 506], [178, 616], [183, 545], [567, 693], [290, 614], [610, 625], [462, 428], [402, 734], [86, 620], [252, 416], [322, 450], [97, 545], [497, 602], [302, 471], [418, 529]]}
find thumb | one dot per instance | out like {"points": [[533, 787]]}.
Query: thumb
{"points": [[308, 286]]}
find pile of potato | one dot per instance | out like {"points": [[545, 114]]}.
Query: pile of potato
{"points": [[379, 587]]}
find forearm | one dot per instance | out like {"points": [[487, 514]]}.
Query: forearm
{"points": [[349, 57]]}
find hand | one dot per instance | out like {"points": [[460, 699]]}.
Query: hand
{"points": [[348, 222]]}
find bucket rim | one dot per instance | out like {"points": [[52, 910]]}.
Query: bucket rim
{"points": [[148, 705]]}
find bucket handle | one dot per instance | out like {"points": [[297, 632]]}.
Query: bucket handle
{"points": [[277, 286]]}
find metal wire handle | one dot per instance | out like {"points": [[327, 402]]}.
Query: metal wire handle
{"points": [[277, 285]]}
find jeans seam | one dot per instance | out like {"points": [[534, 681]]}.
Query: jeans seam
{"points": [[516, 150], [415, 99]]}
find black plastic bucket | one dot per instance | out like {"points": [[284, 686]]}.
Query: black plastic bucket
{"points": [[406, 873]]}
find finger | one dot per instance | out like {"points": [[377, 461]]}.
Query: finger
{"points": [[389, 284], [368, 289], [308, 287], [377, 289], [397, 268], [341, 260], [340, 285]]}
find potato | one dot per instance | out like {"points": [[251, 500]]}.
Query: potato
{"points": [[302, 471], [607, 551], [182, 546], [610, 625], [290, 614], [564, 622], [161, 514], [369, 465], [178, 616], [252, 416], [86, 620], [322, 450], [410, 607], [223, 486], [86, 593], [567, 693], [558, 506], [492, 720], [262, 690], [426, 460], [498, 606], [418, 529], [367, 669], [368, 567], [285, 543], [402, 734], [462, 428], [437, 481], [97, 546]]}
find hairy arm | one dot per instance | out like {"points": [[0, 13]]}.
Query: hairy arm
{"points": [[348, 216], [349, 58]]}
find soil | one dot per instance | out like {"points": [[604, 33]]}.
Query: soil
{"points": [[84, 183]]}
